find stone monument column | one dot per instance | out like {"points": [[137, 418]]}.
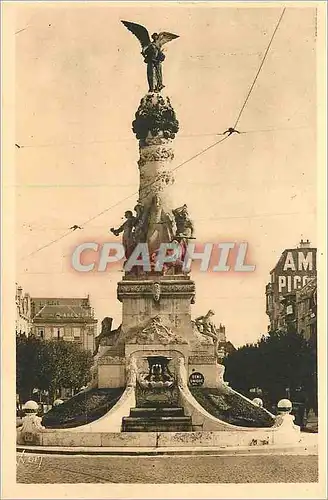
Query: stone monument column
{"points": [[157, 305], [155, 126]]}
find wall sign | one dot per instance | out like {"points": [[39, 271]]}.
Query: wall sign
{"points": [[196, 379]]}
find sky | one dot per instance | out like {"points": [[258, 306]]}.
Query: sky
{"points": [[79, 81]]}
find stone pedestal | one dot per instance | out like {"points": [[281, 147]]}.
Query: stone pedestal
{"points": [[156, 306], [166, 297], [111, 371]]}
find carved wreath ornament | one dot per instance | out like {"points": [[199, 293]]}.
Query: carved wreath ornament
{"points": [[155, 115]]}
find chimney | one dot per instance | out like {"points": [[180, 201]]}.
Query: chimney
{"points": [[304, 244]]}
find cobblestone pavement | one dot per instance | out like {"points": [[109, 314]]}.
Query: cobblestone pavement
{"points": [[166, 469]]}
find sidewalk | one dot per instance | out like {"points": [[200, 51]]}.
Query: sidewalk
{"points": [[307, 446]]}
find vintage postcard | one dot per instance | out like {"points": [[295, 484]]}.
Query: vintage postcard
{"points": [[164, 249]]}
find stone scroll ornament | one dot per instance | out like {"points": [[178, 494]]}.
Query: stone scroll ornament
{"points": [[182, 373], [132, 372], [156, 291], [151, 52]]}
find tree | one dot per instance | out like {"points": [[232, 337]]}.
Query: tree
{"points": [[276, 362], [50, 365], [63, 364], [26, 366], [242, 368]]}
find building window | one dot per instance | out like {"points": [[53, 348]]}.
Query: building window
{"points": [[47, 332], [58, 332], [41, 333], [289, 309], [68, 334], [77, 332]]}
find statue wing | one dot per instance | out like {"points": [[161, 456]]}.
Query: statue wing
{"points": [[165, 37], [139, 31]]}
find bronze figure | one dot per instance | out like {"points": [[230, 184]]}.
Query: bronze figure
{"points": [[152, 52]]}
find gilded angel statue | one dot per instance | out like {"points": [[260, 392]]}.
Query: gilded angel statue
{"points": [[151, 52]]}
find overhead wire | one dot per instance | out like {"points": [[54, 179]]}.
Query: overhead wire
{"points": [[115, 204], [200, 219], [259, 70], [23, 29], [126, 198], [184, 162], [181, 136], [48, 244], [211, 134]]}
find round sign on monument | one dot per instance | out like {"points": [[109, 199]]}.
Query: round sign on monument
{"points": [[196, 379]]}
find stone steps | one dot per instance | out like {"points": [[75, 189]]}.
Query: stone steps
{"points": [[157, 412], [156, 420], [163, 424]]}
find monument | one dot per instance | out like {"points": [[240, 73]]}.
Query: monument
{"points": [[159, 369], [156, 305]]}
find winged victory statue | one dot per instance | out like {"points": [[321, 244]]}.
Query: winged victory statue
{"points": [[151, 52]]}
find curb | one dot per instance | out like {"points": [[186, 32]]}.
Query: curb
{"points": [[216, 451]]}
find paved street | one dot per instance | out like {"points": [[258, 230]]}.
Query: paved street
{"points": [[166, 469]]}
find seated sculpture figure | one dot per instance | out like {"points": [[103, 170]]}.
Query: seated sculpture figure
{"points": [[106, 331], [206, 326]]}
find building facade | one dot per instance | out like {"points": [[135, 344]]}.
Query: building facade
{"points": [[288, 287], [23, 312], [224, 346], [70, 319], [306, 310]]}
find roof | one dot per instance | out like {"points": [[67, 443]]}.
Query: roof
{"points": [[62, 300], [63, 312]]}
